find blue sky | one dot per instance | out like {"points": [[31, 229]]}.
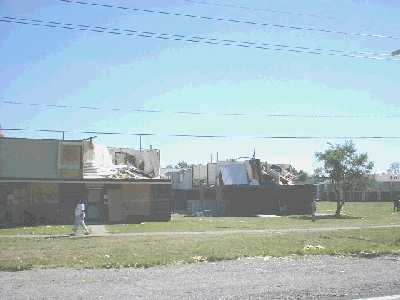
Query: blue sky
{"points": [[60, 66]]}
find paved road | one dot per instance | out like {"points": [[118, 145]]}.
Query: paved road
{"points": [[321, 277], [99, 231]]}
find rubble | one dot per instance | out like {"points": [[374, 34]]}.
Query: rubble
{"points": [[103, 162], [126, 172]]}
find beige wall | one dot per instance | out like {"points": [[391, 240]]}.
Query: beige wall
{"points": [[39, 159], [22, 158]]}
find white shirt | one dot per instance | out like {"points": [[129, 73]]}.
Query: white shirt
{"points": [[79, 210]]}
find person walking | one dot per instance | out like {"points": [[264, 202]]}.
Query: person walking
{"points": [[80, 219], [396, 203], [313, 210]]}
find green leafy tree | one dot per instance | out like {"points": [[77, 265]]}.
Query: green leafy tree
{"points": [[346, 169], [319, 176], [302, 176]]}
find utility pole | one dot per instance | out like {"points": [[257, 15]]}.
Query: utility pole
{"points": [[140, 142]]}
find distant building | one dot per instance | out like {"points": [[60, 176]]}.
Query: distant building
{"points": [[237, 188], [383, 187], [181, 179], [387, 182], [42, 181]]}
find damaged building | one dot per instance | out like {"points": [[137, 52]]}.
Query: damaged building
{"points": [[41, 181], [239, 188]]}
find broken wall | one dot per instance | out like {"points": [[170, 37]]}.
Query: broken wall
{"points": [[146, 160], [199, 174]]}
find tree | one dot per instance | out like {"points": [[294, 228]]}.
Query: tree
{"points": [[396, 53], [302, 176], [394, 168], [182, 165], [319, 176], [345, 168]]}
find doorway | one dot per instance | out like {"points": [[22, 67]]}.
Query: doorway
{"points": [[96, 210]]}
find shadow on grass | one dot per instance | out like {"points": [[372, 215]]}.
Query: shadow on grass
{"points": [[16, 268], [326, 217], [24, 227]]}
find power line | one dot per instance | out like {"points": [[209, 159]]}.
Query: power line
{"points": [[200, 113], [275, 11], [205, 136], [198, 39], [236, 21]]}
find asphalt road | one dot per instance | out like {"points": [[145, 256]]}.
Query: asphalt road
{"points": [[321, 277]]}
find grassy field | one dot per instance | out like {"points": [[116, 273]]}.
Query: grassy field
{"points": [[114, 251], [354, 214], [50, 229], [144, 251]]}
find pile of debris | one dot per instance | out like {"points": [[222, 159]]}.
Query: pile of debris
{"points": [[280, 174], [127, 172], [119, 163]]}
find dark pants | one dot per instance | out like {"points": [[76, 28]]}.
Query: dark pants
{"points": [[396, 205]]}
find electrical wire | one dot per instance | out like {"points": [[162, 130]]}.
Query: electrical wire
{"points": [[198, 39], [204, 136], [275, 11], [199, 113], [236, 21]]}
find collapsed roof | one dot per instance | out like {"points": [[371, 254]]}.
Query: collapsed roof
{"points": [[119, 163]]}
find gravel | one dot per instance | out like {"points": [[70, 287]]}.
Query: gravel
{"points": [[322, 277]]}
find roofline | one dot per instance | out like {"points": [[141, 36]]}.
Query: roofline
{"points": [[127, 148], [76, 141], [95, 180]]}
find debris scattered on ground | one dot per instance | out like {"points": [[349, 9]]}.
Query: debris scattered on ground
{"points": [[313, 248], [368, 254], [199, 259]]}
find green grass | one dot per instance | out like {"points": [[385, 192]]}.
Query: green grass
{"points": [[50, 230], [354, 214], [113, 251]]}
